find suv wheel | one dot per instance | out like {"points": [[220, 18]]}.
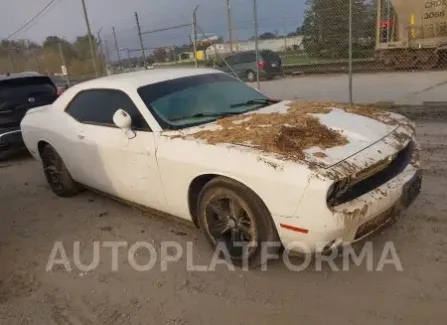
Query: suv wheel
{"points": [[251, 76]]}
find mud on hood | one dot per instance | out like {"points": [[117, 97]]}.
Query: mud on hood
{"points": [[338, 133]]}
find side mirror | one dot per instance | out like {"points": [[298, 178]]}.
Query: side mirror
{"points": [[123, 120]]}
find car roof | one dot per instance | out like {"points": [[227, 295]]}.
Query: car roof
{"points": [[142, 78], [21, 75]]}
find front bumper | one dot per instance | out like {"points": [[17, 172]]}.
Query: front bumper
{"points": [[11, 138]]}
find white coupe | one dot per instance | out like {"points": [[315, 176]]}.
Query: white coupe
{"points": [[246, 169]]}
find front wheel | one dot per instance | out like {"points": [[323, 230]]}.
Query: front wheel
{"points": [[57, 174], [234, 218]]}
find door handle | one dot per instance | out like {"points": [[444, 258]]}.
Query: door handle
{"points": [[81, 136]]}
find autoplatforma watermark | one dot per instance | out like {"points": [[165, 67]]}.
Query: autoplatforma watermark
{"points": [[169, 252]]}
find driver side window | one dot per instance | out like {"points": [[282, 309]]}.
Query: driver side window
{"points": [[98, 106]]}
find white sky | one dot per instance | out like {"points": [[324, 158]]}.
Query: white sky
{"points": [[67, 20]]}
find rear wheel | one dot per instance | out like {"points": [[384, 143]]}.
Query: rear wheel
{"points": [[57, 175], [251, 76], [234, 218]]}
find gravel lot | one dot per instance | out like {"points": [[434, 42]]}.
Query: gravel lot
{"points": [[32, 219]]}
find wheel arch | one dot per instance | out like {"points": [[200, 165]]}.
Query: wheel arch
{"points": [[199, 182], [41, 144]]}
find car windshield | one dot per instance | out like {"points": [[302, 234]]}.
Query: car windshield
{"points": [[196, 100]]}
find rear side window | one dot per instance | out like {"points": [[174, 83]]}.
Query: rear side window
{"points": [[270, 56], [234, 59], [99, 105], [37, 87], [248, 57]]}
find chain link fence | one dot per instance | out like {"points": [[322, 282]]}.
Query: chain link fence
{"points": [[337, 37]]}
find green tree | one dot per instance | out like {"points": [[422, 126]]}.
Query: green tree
{"points": [[160, 54], [326, 28], [82, 47], [51, 43]]}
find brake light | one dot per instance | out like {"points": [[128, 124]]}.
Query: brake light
{"points": [[261, 64], [60, 90]]}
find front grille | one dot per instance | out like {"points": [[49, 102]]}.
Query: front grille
{"points": [[366, 185]]}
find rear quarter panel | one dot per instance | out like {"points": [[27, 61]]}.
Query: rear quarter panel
{"points": [[51, 125]]}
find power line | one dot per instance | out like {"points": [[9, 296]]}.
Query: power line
{"points": [[43, 15], [31, 20]]}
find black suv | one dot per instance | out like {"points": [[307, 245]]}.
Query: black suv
{"points": [[244, 65], [18, 93]]}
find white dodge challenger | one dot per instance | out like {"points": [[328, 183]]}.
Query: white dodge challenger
{"points": [[246, 169]]}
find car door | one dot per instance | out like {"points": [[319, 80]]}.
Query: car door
{"points": [[109, 160], [248, 62], [231, 62]]}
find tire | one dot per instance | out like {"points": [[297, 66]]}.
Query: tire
{"points": [[251, 76], [57, 175], [229, 213]]}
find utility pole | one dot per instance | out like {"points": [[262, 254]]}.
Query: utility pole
{"points": [[141, 39], [230, 37], [65, 70], [36, 60], [11, 61], [255, 17], [101, 51], [89, 32], [117, 49], [194, 30]]}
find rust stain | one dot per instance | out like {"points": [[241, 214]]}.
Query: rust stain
{"points": [[352, 218], [272, 164], [416, 157]]}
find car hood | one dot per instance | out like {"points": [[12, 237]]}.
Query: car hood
{"points": [[359, 131]]}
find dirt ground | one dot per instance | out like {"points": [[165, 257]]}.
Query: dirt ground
{"points": [[32, 219]]}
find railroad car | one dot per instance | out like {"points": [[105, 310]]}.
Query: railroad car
{"points": [[411, 33]]}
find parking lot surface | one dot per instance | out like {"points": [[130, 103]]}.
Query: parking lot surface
{"points": [[32, 219]]}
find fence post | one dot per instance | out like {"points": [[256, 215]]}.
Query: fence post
{"points": [[11, 61], [101, 52], [141, 39], [194, 32], [255, 17], [128, 59], [64, 64], [285, 41], [350, 53], [230, 29], [117, 50]]}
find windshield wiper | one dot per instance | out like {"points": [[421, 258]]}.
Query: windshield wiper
{"points": [[260, 101], [198, 115]]}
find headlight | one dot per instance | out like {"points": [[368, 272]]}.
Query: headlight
{"points": [[335, 190], [331, 191]]}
